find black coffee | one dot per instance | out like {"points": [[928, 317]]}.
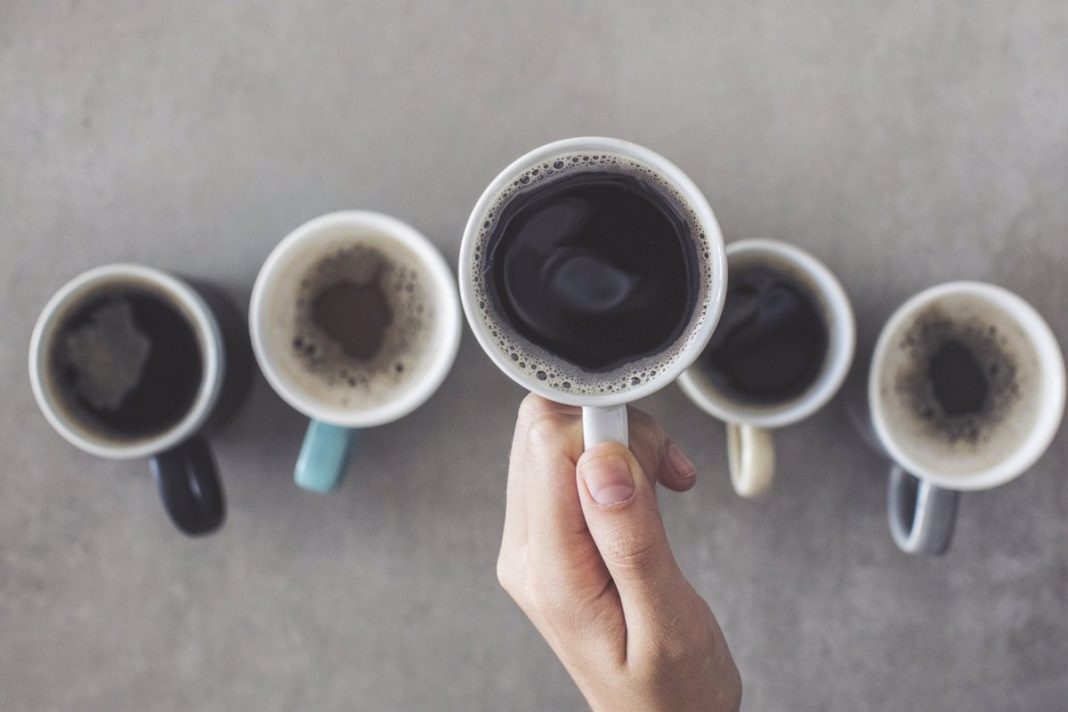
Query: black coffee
{"points": [[354, 316], [127, 362], [771, 340], [961, 379], [596, 267], [361, 321]]}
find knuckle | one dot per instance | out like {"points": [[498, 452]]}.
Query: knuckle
{"points": [[532, 406], [629, 550], [505, 576], [545, 429], [549, 599]]}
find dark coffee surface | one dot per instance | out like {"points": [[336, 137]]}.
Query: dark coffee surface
{"points": [[355, 316], [957, 379], [771, 340], [597, 268], [961, 380], [127, 363]]}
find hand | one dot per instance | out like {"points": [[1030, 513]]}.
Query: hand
{"points": [[585, 555]]}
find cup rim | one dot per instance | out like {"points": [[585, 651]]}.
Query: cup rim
{"points": [[443, 284], [209, 341], [1051, 365], [714, 298], [842, 326]]}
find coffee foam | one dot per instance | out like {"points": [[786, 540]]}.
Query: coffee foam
{"points": [[961, 443], [535, 361], [314, 362]]}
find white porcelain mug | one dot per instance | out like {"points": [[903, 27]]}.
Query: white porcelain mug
{"points": [[119, 349], [604, 400], [750, 445], [966, 391], [336, 406]]}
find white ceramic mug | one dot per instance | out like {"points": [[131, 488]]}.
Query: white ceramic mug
{"points": [[750, 446], [604, 412], [272, 314], [180, 459], [1018, 418]]}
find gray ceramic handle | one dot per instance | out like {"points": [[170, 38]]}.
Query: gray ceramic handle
{"points": [[921, 515]]}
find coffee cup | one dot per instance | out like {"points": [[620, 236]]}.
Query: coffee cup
{"points": [[592, 273], [966, 391], [128, 362], [355, 323], [781, 351]]}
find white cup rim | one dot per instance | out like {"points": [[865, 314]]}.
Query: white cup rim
{"points": [[442, 354], [1051, 365], [842, 329], [209, 339], [716, 261]]}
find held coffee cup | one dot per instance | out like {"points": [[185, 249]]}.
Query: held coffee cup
{"points": [[966, 391], [355, 323], [782, 348], [592, 273], [129, 362]]}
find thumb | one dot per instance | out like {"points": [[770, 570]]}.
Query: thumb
{"points": [[622, 515]]}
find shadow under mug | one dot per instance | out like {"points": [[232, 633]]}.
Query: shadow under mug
{"points": [[604, 412], [928, 472], [750, 445], [332, 433], [180, 459]]}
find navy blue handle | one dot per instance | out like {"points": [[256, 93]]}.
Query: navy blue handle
{"points": [[189, 486]]}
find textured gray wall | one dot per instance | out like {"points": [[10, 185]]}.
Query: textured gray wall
{"points": [[905, 143]]}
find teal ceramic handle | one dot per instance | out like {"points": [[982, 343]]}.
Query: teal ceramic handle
{"points": [[324, 456]]}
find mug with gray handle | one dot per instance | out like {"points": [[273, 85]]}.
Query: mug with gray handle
{"points": [[966, 391]]}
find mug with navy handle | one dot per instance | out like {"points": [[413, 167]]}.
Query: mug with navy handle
{"points": [[180, 458], [338, 412]]}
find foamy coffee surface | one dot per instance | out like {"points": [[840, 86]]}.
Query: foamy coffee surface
{"points": [[960, 386], [554, 371], [353, 318]]}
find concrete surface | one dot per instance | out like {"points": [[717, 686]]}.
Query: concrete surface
{"points": [[905, 143]]}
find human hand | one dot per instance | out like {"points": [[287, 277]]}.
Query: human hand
{"points": [[585, 555]]}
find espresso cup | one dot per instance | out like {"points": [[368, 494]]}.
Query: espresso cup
{"points": [[129, 362], [781, 351], [966, 391], [567, 295], [355, 323]]}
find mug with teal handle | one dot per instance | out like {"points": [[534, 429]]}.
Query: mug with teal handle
{"points": [[324, 456], [374, 262]]}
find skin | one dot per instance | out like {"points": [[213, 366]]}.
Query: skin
{"points": [[585, 556]]}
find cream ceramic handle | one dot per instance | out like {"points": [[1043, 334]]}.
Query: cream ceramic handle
{"points": [[751, 457]]}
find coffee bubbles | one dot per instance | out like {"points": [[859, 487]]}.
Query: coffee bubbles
{"points": [[959, 385], [591, 272], [355, 323]]}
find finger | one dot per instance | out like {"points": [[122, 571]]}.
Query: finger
{"points": [[515, 526], [623, 519], [556, 529], [658, 455]]}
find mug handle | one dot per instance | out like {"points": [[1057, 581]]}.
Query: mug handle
{"points": [[189, 486], [324, 456], [921, 515], [602, 424], [750, 458]]}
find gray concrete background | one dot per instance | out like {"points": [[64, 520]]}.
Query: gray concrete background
{"points": [[904, 143]]}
